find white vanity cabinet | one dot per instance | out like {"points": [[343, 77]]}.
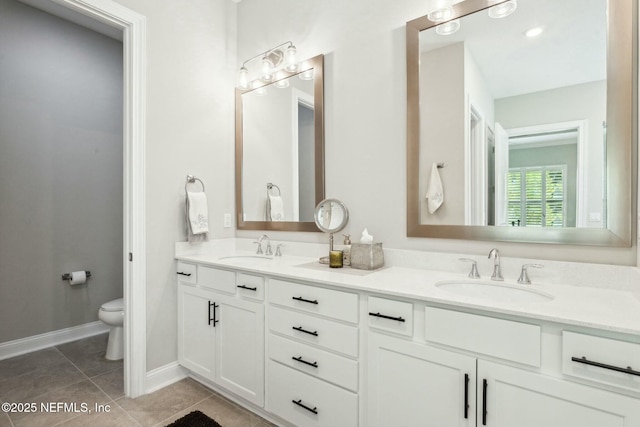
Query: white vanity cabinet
{"points": [[312, 372], [412, 385], [510, 397], [221, 335], [469, 370]]}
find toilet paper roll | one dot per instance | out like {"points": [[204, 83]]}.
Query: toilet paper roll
{"points": [[78, 277]]}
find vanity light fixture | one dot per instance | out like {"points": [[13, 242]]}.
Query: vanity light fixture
{"points": [[306, 75], [448, 27], [272, 60], [503, 10], [440, 15]]}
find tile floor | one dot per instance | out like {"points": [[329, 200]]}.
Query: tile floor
{"points": [[77, 372]]}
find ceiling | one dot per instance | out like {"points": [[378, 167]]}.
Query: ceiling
{"points": [[571, 50]]}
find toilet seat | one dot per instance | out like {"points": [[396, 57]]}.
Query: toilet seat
{"points": [[112, 306]]}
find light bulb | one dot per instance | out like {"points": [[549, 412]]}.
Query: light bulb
{"points": [[503, 10], [282, 83], [243, 78], [448, 28], [440, 14], [267, 70], [306, 75], [290, 59]]}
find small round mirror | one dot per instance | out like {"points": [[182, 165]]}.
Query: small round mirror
{"points": [[331, 215]]}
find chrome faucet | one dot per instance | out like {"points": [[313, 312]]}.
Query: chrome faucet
{"points": [[473, 274], [268, 250], [524, 275], [497, 272]]}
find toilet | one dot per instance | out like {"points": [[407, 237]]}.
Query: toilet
{"points": [[112, 313]]}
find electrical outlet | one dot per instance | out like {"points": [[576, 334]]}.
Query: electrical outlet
{"points": [[227, 220]]}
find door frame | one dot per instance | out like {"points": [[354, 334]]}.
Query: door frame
{"points": [[133, 27]]}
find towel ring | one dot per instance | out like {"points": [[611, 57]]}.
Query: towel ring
{"points": [[192, 179], [270, 187]]}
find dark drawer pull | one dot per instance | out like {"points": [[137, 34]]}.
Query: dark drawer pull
{"points": [[315, 301], [211, 319], [466, 396], [184, 274], [302, 405], [300, 329], [626, 370], [383, 316], [484, 402], [301, 360], [247, 287]]}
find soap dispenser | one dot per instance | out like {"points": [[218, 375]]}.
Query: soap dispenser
{"points": [[346, 251]]}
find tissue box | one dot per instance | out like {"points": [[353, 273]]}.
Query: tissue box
{"points": [[367, 256]]}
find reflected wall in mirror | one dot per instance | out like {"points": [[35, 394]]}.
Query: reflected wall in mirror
{"points": [[536, 132], [280, 151]]}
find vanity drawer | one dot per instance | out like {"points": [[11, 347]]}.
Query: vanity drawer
{"points": [[390, 315], [519, 342], [250, 286], [326, 302], [214, 278], [324, 333], [186, 273], [598, 358], [307, 401], [319, 363]]}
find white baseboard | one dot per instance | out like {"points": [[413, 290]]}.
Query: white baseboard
{"points": [[164, 376], [38, 342]]}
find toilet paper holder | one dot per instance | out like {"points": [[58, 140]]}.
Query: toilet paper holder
{"points": [[67, 276]]}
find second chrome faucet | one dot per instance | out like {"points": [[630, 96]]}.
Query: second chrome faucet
{"points": [[497, 271]]}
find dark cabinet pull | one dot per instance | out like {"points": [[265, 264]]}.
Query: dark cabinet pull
{"points": [[211, 304], [184, 274], [484, 402], [214, 320], [626, 370], [315, 301], [466, 396], [247, 287], [383, 316], [302, 405], [301, 360], [300, 329]]}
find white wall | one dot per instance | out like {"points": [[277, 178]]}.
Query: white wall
{"points": [[442, 131], [579, 102], [60, 171], [189, 130], [365, 84]]}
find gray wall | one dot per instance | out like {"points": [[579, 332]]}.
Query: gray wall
{"points": [[60, 171]]}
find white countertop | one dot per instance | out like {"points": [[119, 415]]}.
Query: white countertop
{"points": [[615, 310]]}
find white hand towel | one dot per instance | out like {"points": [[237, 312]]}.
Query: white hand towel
{"points": [[275, 208], [435, 192], [198, 212]]}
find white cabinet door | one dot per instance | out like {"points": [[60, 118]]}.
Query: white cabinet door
{"points": [[240, 345], [411, 385], [196, 344], [515, 397]]}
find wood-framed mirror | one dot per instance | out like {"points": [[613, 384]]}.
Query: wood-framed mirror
{"points": [[280, 150], [476, 104]]}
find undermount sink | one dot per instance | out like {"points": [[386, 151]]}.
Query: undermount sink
{"points": [[499, 292]]}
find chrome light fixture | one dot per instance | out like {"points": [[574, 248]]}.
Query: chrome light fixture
{"points": [[448, 28], [503, 10], [442, 12], [272, 60]]}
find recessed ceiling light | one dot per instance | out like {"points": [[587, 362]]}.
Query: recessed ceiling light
{"points": [[533, 32]]}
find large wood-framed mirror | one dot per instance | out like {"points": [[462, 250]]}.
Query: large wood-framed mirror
{"points": [[280, 150], [536, 138]]}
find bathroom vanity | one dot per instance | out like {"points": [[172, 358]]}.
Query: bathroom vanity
{"points": [[308, 346]]}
